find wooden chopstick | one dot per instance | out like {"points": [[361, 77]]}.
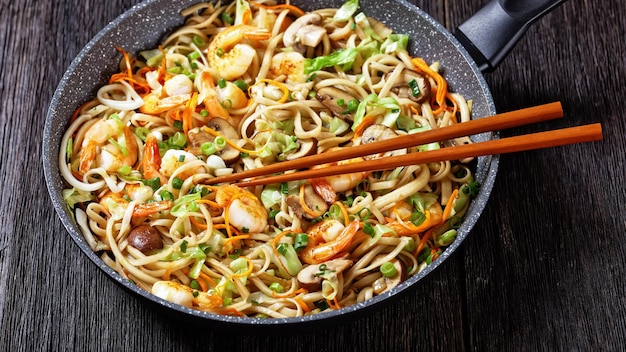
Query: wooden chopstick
{"points": [[493, 123], [538, 140]]}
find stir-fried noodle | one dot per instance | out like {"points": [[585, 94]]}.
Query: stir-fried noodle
{"points": [[241, 86]]}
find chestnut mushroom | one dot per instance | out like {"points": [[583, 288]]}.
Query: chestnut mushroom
{"points": [[337, 101], [310, 278], [412, 85], [304, 32], [198, 137], [378, 132], [145, 238], [305, 148], [312, 200], [457, 142]]}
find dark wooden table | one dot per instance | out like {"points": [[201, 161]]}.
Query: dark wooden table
{"points": [[542, 270]]}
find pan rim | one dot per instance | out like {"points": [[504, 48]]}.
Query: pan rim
{"points": [[51, 173]]}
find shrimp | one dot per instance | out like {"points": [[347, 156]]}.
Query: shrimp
{"points": [[289, 64], [227, 53], [327, 239], [328, 187], [153, 104], [110, 144], [152, 160], [183, 295], [217, 100], [243, 209], [117, 203]]}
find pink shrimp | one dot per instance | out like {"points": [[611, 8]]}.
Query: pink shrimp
{"points": [[327, 240]]}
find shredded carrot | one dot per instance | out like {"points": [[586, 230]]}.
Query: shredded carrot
{"points": [[414, 110], [367, 121], [208, 202], [188, 112], [203, 285], [296, 10], [167, 274], [207, 278], [304, 206], [230, 241], [423, 241], [442, 85], [449, 206], [446, 214], [248, 271], [344, 211], [197, 224], [333, 304], [129, 68], [304, 306]]}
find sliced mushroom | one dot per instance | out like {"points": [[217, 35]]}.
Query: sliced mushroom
{"points": [[336, 100], [377, 132], [412, 85], [310, 277], [306, 148], [312, 201], [304, 32], [145, 238], [457, 142]]}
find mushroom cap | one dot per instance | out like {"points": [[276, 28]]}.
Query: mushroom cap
{"points": [[304, 32]]}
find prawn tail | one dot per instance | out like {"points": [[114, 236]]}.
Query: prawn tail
{"points": [[146, 209], [324, 190], [211, 103], [316, 254], [87, 156], [152, 160]]}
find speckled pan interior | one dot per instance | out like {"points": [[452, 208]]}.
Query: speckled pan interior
{"points": [[144, 25]]}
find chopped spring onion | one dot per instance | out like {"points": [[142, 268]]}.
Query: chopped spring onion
{"points": [[388, 269], [415, 89], [220, 142], [194, 55], [166, 195], [208, 148], [142, 133], [300, 241], [276, 287], [446, 238], [198, 41], [154, 183], [125, 170], [177, 140], [241, 84], [177, 183]]}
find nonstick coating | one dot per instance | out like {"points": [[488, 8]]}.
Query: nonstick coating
{"points": [[144, 25]]}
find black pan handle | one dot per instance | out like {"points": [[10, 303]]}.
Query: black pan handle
{"points": [[494, 30]]}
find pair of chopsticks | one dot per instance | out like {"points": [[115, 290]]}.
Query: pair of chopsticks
{"points": [[497, 122]]}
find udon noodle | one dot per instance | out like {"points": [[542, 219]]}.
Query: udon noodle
{"points": [[244, 85]]}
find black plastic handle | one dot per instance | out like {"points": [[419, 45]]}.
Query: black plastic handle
{"points": [[494, 30]]}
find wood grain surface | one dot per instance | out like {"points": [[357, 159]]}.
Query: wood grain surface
{"points": [[543, 269]]}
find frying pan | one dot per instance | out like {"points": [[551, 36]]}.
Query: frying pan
{"points": [[483, 41]]}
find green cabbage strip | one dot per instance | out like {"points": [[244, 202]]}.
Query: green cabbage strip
{"points": [[390, 104], [346, 11]]}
